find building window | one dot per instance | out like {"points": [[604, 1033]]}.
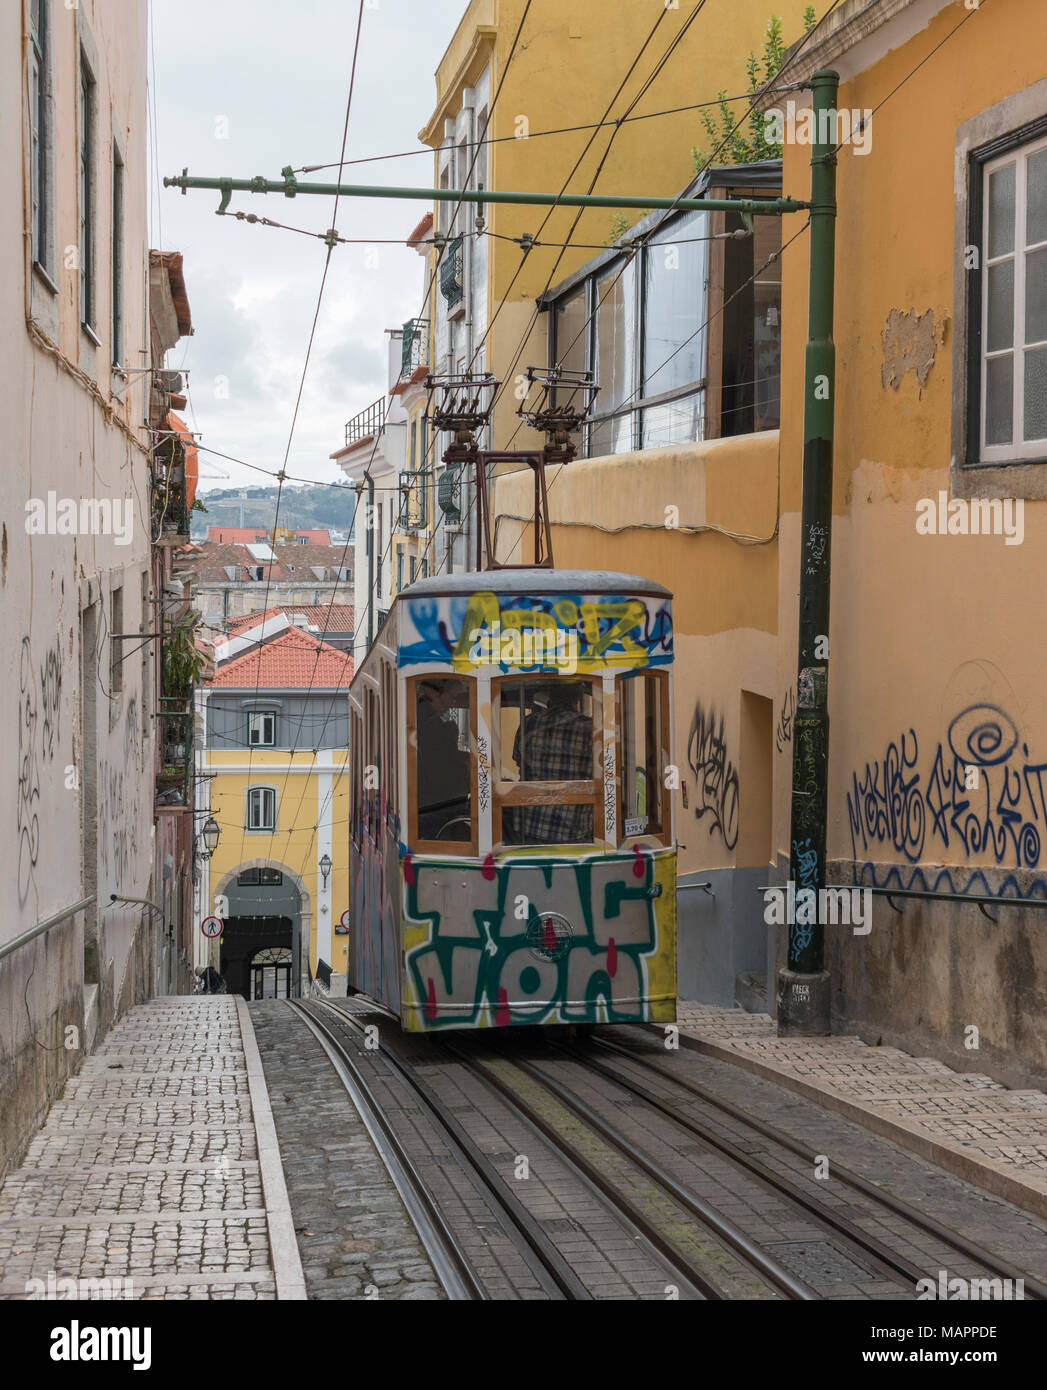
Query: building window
{"points": [[1008, 341], [261, 808], [423, 568], [381, 554], [399, 569], [682, 333], [261, 729], [87, 119], [116, 655], [255, 878], [412, 569], [41, 127], [117, 267]]}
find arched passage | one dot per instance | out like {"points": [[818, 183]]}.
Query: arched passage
{"points": [[264, 915]]}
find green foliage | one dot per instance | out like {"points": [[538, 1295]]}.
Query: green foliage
{"points": [[197, 506], [183, 664], [728, 145], [620, 224]]}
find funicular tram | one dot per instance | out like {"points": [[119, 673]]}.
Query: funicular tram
{"points": [[512, 852]]}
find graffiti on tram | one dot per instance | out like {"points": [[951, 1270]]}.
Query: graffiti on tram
{"points": [[534, 939], [551, 632]]}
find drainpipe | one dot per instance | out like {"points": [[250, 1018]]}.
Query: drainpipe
{"points": [[803, 986], [369, 520]]}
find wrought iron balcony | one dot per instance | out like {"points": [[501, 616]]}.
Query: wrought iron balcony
{"points": [[174, 773], [368, 422], [415, 345], [452, 272]]}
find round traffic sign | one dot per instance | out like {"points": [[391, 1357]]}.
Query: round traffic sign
{"points": [[212, 926], [346, 919]]}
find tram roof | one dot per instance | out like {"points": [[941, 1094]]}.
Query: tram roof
{"points": [[534, 580]]}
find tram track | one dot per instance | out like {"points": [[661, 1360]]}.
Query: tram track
{"points": [[572, 1124], [454, 1268], [966, 1249]]}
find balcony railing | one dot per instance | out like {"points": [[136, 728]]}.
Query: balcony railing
{"points": [[174, 774], [452, 272], [368, 422], [415, 344]]}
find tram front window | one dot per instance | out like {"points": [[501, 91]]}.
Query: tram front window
{"points": [[548, 726], [444, 780]]}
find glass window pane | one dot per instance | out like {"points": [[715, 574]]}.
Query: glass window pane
{"points": [[641, 714], [1036, 199], [674, 422], [1036, 296], [1001, 211], [616, 336], [547, 736], [571, 332], [999, 400], [675, 306], [1036, 394], [442, 751], [1000, 281]]}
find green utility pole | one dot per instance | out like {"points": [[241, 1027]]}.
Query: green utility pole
{"points": [[803, 986]]}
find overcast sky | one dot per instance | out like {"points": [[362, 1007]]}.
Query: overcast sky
{"points": [[272, 77]]}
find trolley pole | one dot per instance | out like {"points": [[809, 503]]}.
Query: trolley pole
{"points": [[803, 985]]}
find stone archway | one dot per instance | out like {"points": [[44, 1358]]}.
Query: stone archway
{"points": [[301, 916]]}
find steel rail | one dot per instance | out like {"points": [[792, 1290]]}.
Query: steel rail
{"points": [[881, 1254], [605, 1191], [553, 1272], [732, 1235], [928, 1224], [446, 1255]]}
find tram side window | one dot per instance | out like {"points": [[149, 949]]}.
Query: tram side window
{"points": [[643, 734], [443, 807], [546, 736]]}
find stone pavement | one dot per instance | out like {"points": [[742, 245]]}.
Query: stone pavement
{"points": [[157, 1174], [966, 1123]]}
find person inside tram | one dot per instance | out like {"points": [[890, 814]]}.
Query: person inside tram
{"points": [[554, 743], [443, 767]]}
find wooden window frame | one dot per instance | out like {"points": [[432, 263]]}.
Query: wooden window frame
{"points": [[664, 835], [250, 829], [464, 849], [518, 793]]}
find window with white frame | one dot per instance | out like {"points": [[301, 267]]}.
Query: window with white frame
{"points": [[261, 728], [1011, 387], [261, 808]]}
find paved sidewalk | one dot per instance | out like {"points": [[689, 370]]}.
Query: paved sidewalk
{"points": [[157, 1175], [966, 1123]]}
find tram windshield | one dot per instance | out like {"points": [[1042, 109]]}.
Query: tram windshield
{"points": [[444, 774], [547, 736]]}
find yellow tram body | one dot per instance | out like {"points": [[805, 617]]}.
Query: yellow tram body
{"points": [[512, 848]]}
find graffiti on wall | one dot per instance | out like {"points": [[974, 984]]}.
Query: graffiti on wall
{"points": [[715, 775], [783, 733], [39, 737], [974, 793], [484, 946], [597, 632], [119, 800]]}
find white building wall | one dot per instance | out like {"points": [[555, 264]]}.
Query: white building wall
{"points": [[72, 429]]}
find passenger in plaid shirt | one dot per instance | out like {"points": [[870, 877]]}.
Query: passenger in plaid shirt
{"points": [[558, 747]]}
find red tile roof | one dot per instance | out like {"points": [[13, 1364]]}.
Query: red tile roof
{"points": [[338, 617], [422, 230], [293, 661]]}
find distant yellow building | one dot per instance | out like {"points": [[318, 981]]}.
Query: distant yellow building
{"points": [[272, 772]]}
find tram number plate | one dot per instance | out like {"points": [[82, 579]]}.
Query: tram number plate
{"points": [[636, 825]]}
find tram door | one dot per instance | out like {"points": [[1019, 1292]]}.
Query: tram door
{"points": [[271, 975]]}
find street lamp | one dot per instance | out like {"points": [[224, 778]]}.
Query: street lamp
{"points": [[325, 868], [210, 835]]}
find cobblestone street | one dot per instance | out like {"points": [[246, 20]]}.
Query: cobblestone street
{"points": [[146, 1180]]}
